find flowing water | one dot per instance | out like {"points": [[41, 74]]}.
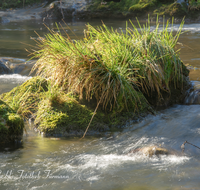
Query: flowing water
{"points": [[103, 162]]}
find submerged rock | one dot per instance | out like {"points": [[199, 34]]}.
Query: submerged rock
{"points": [[16, 65], [4, 69], [11, 124], [193, 97], [152, 150]]}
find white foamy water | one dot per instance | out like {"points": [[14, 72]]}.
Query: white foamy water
{"points": [[8, 82], [13, 78], [106, 162]]}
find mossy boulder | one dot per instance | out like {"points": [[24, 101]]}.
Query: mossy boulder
{"points": [[65, 114], [143, 5], [56, 112], [174, 9], [11, 124], [24, 99]]}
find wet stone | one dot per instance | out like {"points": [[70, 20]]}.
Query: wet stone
{"points": [[4, 69], [193, 97]]}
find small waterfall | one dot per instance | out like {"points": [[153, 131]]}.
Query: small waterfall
{"points": [[193, 97]]}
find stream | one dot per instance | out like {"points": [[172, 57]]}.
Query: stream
{"points": [[102, 162]]}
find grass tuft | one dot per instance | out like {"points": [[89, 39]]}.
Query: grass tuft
{"points": [[112, 66]]}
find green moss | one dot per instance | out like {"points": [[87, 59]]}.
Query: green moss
{"points": [[194, 5], [142, 5], [111, 73], [3, 128], [174, 9], [3, 132], [65, 115], [25, 98], [11, 124], [147, 7], [4, 108], [15, 123]]}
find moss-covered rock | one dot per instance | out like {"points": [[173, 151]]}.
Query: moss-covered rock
{"points": [[174, 9], [142, 5], [11, 124], [65, 114], [60, 113], [56, 112], [24, 99], [143, 8]]}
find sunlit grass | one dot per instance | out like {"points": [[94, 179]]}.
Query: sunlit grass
{"points": [[112, 66]]}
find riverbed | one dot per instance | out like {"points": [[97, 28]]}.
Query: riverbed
{"points": [[102, 162]]}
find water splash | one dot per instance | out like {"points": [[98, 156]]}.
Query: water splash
{"points": [[13, 78], [193, 96]]}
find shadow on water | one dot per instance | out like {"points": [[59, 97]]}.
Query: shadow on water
{"points": [[11, 147]]}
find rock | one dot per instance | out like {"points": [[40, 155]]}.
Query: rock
{"points": [[151, 150], [17, 66], [66, 9], [4, 69], [11, 124], [193, 94], [4, 20], [181, 2], [23, 68], [193, 97]]}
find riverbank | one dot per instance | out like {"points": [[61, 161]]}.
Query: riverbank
{"points": [[143, 8], [96, 9]]}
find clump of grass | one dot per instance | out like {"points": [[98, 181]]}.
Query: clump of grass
{"points": [[113, 67], [109, 65]]}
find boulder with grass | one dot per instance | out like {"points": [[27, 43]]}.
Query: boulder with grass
{"points": [[115, 68], [24, 99], [103, 80], [122, 72], [56, 113]]}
